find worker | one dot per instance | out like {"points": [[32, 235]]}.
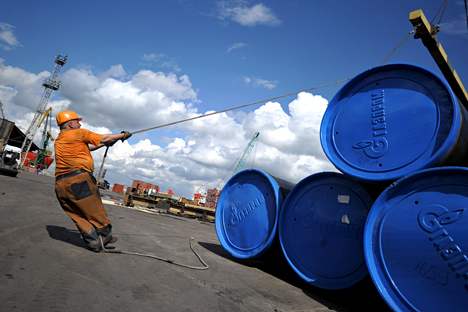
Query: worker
{"points": [[75, 186]]}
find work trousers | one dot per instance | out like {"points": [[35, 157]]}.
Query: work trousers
{"points": [[79, 196]]}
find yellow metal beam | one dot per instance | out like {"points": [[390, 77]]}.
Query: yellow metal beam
{"points": [[428, 35], [43, 117]]}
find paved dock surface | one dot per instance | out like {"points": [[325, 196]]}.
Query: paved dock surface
{"points": [[45, 265]]}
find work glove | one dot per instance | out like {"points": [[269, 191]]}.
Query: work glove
{"points": [[126, 135]]}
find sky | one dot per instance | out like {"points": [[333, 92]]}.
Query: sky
{"points": [[134, 65]]}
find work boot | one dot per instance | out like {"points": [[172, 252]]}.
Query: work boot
{"points": [[112, 240]]}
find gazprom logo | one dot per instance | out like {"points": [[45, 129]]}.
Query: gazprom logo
{"points": [[378, 145], [433, 219], [236, 217]]}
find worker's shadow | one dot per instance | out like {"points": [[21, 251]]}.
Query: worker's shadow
{"points": [[68, 236], [65, 235]]}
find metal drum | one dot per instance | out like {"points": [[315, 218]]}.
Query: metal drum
{"points": [[247, 213], [393, 120], [416, 242], [321, 230]]}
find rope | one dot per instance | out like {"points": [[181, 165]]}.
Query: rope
{"points": [[206, 267], [230, 109], [398, 46]]}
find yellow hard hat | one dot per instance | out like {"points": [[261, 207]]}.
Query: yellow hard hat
{"points": [[66, 116]]}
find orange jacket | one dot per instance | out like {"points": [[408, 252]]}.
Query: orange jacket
{"points": [[72, 151]]}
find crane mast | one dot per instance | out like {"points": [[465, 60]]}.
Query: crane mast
{"points": [[51, 84], [246, 154]]}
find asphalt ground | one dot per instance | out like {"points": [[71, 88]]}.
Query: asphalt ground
{"points": [[45, 265]]}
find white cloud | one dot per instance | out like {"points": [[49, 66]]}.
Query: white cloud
{"points": [[164, 60], [257, 82], [236, 46], [247, 16], [455, 27], [153, 57], [185, 156], [8, 40]]}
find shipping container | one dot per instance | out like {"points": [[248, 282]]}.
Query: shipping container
{"points": [[118, 188]]}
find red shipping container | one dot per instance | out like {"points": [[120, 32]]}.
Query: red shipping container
{"points": [[118, 188], [31, 155]]}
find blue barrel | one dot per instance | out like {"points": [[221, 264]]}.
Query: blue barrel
{"points": [[247, 213], [416, 242], [321, 230], [393, 120]]}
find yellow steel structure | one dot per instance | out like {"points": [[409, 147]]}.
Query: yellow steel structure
{"points": [[428, 35]]}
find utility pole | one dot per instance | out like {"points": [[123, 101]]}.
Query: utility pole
{"points": [[51, 84]]}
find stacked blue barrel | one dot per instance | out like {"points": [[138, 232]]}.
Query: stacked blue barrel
{"points": [[401, 126], [396, 210]]}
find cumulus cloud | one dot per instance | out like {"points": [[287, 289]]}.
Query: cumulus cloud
{"points": [[239, 12], [186, 156], [8, 40], [236, 46]]}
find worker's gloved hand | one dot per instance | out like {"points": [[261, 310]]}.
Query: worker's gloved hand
{"points": [[126, 135]]}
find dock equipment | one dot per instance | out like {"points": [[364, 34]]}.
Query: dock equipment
{"points": [[167, 204], [51, 84]]}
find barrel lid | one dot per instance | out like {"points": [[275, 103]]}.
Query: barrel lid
{"points": [[390, 121], [247, 213], [415, 241], [321, 230]]}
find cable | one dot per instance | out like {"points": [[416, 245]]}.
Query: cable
{"points": [[398, 46], [230, 109], [440, 20], [206, 267], [439, 11], [466, 10]]}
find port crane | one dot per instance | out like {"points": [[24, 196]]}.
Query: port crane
{"points": [[51, 84], [246, 153], [428, 34], [240, 161]]}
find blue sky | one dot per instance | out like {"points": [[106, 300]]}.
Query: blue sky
{"points": [[138, 64]]}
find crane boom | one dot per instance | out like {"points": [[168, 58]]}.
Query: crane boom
{"points": [[246, 154], [51, 84], [428, 35]]}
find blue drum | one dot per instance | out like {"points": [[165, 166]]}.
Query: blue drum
{"points": [[247, 213], [393, 120], [416, 242]]}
